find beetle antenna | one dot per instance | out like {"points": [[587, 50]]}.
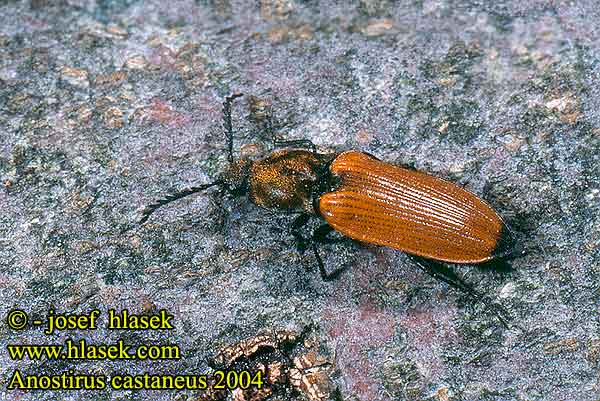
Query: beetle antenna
{"points": [[227, 122], [148, 210]]}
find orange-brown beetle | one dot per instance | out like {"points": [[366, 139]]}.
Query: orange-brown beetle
{"points": [[369, 201]]}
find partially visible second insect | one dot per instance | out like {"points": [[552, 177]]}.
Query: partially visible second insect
{"points": [[368, 200]]}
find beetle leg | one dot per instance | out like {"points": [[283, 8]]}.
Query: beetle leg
{"points": [[227, 123], [269, 127], [441, 272], [337, 395], [278, 143], [297, 224], [297, 143], [325, 275], [320, 236]]}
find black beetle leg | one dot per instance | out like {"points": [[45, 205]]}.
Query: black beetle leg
{"points": [[269, 127], [336, 395], [297, 143], [297, 224], [325, 275], [277, 143], [320, 236], [227, 123], [441, 272]]}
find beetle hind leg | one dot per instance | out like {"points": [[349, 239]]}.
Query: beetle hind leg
{"points": [[441, 272], [507, 246]]}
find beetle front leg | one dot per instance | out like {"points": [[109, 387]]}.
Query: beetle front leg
{"points": [[297, 143], [278, 143]]}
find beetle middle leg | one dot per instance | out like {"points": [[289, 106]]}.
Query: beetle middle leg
{"points": [[441, 272], [320, 235], [297, 224]]}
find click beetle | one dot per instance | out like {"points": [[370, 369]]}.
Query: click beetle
{"points": [[368, 200]]}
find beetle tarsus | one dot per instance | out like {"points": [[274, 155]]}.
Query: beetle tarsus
{"points": [[279, 143], [440, 272], [148, 210]]}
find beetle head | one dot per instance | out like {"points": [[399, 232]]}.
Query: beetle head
{"points": [[235, 178]]}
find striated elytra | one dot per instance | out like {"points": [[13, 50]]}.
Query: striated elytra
{"points": [[414, 212]]}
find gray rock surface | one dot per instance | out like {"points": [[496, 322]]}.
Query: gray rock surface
{"points": [[106, 106]]}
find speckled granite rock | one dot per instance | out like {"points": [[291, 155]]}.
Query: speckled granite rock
{"points": [[106, 106]]}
